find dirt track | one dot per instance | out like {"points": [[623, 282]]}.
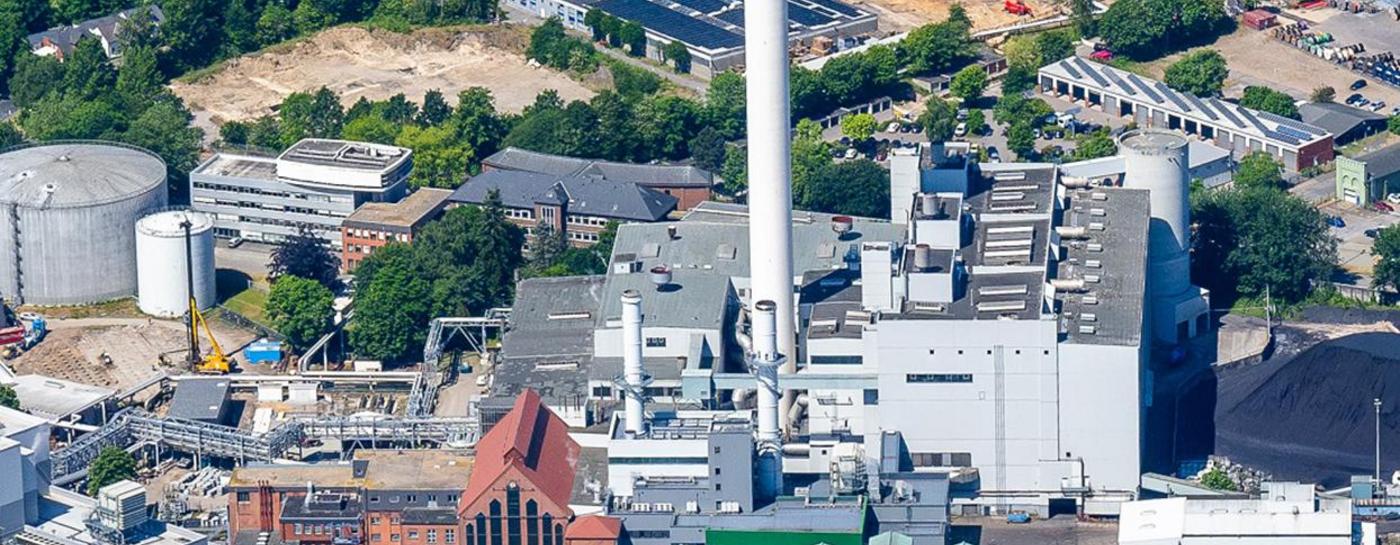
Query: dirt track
{"points": [[356, 62]]}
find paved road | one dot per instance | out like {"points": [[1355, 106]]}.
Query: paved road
{"points": [[1316, 190], [249, 258]]}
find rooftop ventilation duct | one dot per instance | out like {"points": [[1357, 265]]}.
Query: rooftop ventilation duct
{"points": [[923, 258], [1068, 284]]}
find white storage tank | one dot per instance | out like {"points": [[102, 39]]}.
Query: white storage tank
{"points": [[160, 262]]}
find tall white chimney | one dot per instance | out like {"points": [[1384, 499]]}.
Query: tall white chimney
{"points": [[632, 360], [766, 360], [770, 166]]}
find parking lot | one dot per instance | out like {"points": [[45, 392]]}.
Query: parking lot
{"points": [[1353, 246]]}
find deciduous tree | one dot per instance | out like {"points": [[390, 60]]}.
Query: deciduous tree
{"points": [[8, 397], [1269, 100], [111, 465], [858, 127], [939, 120], [300, 309], [1387, 248], [968, 83], [307, 255], [1249, 239], [1201, 73], [1259, 170]]}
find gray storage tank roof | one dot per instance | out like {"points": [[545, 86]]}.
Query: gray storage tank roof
{"points": [[71, 175]]}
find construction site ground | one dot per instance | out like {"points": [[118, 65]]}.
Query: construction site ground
{"points": [[1257, 58], [376, 64], [73, 347], [903, 15]]}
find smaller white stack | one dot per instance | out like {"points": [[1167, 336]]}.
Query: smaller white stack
{"points": [[161, 282], [632, 370]]}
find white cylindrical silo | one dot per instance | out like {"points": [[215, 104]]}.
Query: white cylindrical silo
{"points": [[1157, 161], [633, 372], [160, 262]]}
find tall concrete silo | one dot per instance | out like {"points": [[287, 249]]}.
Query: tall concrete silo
{"points": [[66, 211], [162, 284], [1158, 161]]}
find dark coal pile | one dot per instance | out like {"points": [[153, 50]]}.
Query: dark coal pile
{"points": [[1311, 417]]}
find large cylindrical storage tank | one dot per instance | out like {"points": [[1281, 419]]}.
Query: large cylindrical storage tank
{"points": [[162, 284], [66, 211], [1156, 160]]}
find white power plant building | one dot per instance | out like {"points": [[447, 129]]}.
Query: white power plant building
{"points": [[161, 264], [1285, 513]]}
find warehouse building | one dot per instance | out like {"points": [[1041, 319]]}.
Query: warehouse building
{"points": [[1370, 177], [580, 207], [712, 30], [317, 183], [690, 185], [1347, 124], [375, 224], [1151, 103]]}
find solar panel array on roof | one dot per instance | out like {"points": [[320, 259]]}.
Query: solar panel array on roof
{"points": [[734, 17], [1294, 124], [1112, 76], [838, 7], [702, 6], [806, 17], [1173, 96], [1093, 74], [672, 23], [1225, 110], [1201, 106], [1249, 116], [1145, 89], [1295, 133], [1069, 68]]}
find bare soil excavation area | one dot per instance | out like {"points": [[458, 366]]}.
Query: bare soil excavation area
{"points": [[376, 64]]}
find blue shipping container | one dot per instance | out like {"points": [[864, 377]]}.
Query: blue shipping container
{"points": [[263, 352]]}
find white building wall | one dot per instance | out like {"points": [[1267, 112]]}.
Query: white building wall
{"points": [[607, 342], [1101, 412], [1006, 417], [12, 511], [629, 459]]}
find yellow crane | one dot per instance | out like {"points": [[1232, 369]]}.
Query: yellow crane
{"points": [[215, 363]]}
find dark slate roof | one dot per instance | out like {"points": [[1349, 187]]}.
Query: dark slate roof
{"points": [[67, 37], [1336, 118], [430, 515], [1382, 162], [200, 399], [559, 165], [585, 196]]}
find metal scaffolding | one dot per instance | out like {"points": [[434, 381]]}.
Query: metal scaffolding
{"points": [[474, 329]]}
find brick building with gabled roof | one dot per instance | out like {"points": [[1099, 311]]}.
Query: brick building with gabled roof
{"points": [[513, 490], [519, 491]]}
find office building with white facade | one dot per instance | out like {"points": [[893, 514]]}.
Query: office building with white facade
{"points": [[316, 183]]}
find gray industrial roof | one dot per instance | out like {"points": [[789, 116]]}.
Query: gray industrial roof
{"points": [[67, 175], [549, 346], [1118, 313], [559, 165], [840, 514], [1232, 117], [57, 398], [1337, 118], [1382, 162], [238, 166], [696, 299], [1199, 154], [200, 399], [585, 196]]}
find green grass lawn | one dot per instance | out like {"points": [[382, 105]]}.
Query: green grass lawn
{"points": [[251, 303]]}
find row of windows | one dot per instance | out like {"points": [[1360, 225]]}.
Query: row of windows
{"points": [[588, 220], [520, 213], [277, 194], [583, 237], [369, 234], [837, 360], [323, 529], [927, 378], [410, 498], [247, 205], [527, 528], [639, 460], [933, 351], [656, 342], [941, 459]]}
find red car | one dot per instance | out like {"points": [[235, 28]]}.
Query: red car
{"points": [[1102, 55], [1384, 206]]}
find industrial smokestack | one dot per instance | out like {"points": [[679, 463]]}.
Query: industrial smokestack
{"points": [[766, 360], [632, 372], [770, 168]]}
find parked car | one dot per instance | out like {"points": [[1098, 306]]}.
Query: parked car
{"points": [[1373, 233], [993, 155], [1358, 84], [235, 242], [1383, 206], [893, 127], [1393, 198], [961, 130], [962, 114], [1378, 105], [1363, 101], [1018, 517], [1336, 221], [1353, 98], [850, 153]]}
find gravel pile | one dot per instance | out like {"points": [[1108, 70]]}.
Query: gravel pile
{"points": [[1311, 417]]}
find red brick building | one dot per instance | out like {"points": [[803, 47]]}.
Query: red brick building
{"points": [[594, 530], [514, 490], [375, 224]]}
